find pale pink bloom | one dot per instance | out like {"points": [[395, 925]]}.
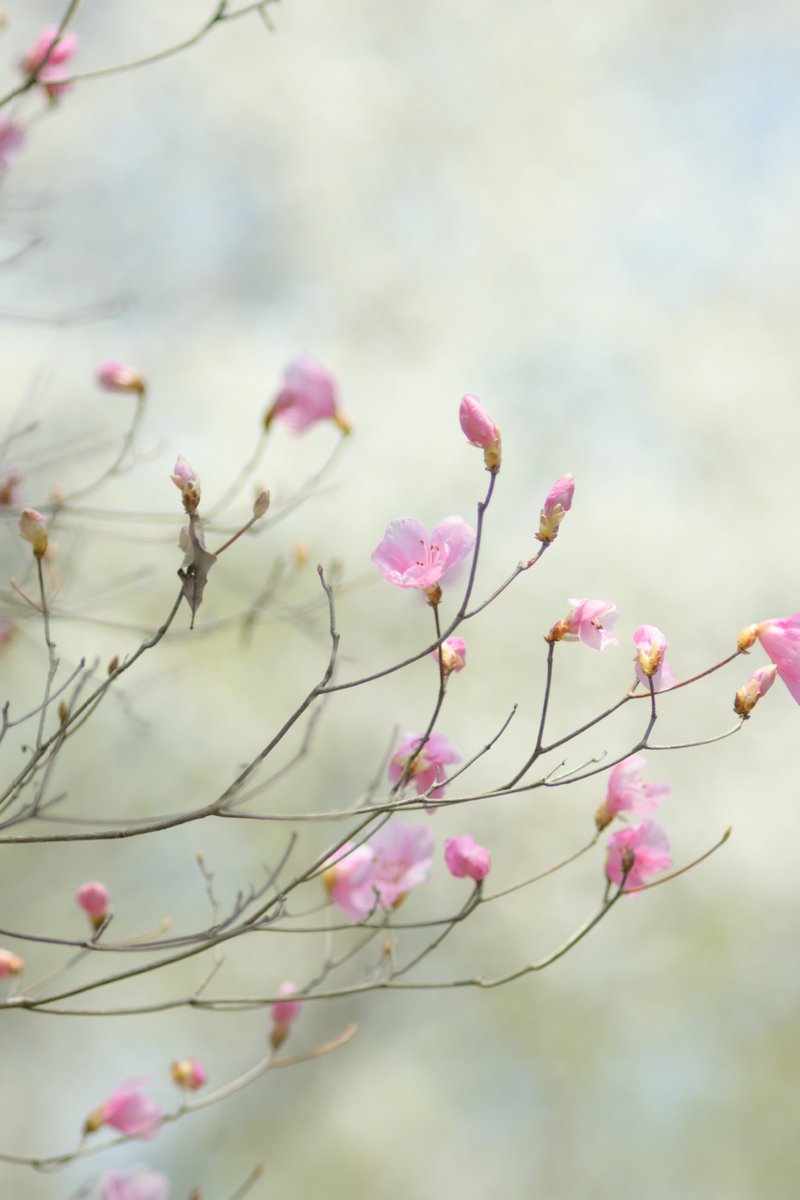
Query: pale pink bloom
{"points": [[10, 964], [592, 622], [651, 646], [189, 1073], [349, 880], [780, 637], [308, 395], [408, 558], [757, 686], [284, 1013], [429, 766], [480, 430], [33, 528], [403, 858], [117, 377], [137, 1184], [643, 847], [128, 1110], [628, 793], [11, 137], [557, 503], [48, 64], [94, 899], [454, 655], [464, 857]]}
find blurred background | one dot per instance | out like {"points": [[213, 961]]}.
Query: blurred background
{"points": [[587, 215]]}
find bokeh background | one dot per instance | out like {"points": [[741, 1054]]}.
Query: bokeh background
{"points": [[586, 214]]}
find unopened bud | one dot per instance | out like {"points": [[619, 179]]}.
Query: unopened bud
{"points": [[260, 504], [284, 1013], [116, 377], [63, 712], [627, 860], [453, 655], [189, 1073], [10, 964], [557, 504], [95, 900], [434, 595], [188, 484], [758, 685], [747, 638], [33, 529], [558, 632], [649, 659], [113, 665]]}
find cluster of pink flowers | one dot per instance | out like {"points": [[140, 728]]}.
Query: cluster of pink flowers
{"points": [[380, 872], [424, 767]]}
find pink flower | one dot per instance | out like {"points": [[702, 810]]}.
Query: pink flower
{"points": [[47, 61], [408, 558], [33, 529], [10, 964], [429, 767], [186, 481], [465, 857], [557, 503], [780, 637], [641, 849], [651, 646], [591, 621], [189, 1073], [94, 899], [349, 880], [757, 686], [11, 137], [403, 858], [627, 793], [480, 430], [308, 395], [137, 1184], [284, 1013], [454, 655], [116, 377], [127, 1110]]}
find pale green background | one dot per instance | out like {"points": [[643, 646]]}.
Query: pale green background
{"points": [[587, 214]]}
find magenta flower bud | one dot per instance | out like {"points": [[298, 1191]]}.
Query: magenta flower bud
{"points": [[33, 528], [47, 61], [640, 850], [757, 686], [651, 646], [480, 430], [464, 857], [284, 1013], [127, 1110], [94, 899], [11, 138], [189, 1073], [308, 395], [454, 655], [134, 1185], [116, 377], [780, 637], [186, 481], [557, 503], [10, 964]]}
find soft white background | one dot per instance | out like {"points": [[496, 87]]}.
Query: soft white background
{"points": [[587, 214]]}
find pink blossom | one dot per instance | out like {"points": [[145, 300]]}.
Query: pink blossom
{"points": [[10, 964], [349, 880], [480, 430], [557, 503], [11, 138], [429, 766], [408, 558], [127, 1110], [308, 395], [403, 858], [137, 1184], [33, 529], [780, 637], [47, 61], [627, 793], [651, 646], [591, 621], [757, 686], [642, 848], [454, 655], [189, 1073], [284, 1013], [94, 899], [465, 857], [116, 377]]}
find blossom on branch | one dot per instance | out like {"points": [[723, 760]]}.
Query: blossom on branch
{"points": [[348, 877], [454, 655], [10, 964], [391, 862], [127, 1110], [751, 692], [189, 1073], [651, 646], [11, 138], [408, 558], [47, 60], [95, 900], [589, 621], [628, 793], [117, 377], [137, 1184], [464, 857], [284, 1013], [481, 431], [636, 852], [780, 637], [557, 504], [33, 529], [188, 484], [428, 766], [308, 395]]}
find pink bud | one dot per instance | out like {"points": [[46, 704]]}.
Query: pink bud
{"points": [[11, 138], [10, 964], [33, 529], [464, 857], [186, 481], [116, 377], [284, 1013], [94, 899], [651, 647], [134, 1185], [454, 655], [189, 1073], [127, 1110], [757, 686], [47, 60], [480, 430], [557, 503]]}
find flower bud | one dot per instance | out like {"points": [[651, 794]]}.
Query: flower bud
{"points": [[95, 900], [189, 1073], [454, 655], [284, 1013], [33, 529], [116, 377], [481, 431], [464, 857], [187, 483], [557, 504], [747, 638], [757, 686], [10, 964], [260, 504]]}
